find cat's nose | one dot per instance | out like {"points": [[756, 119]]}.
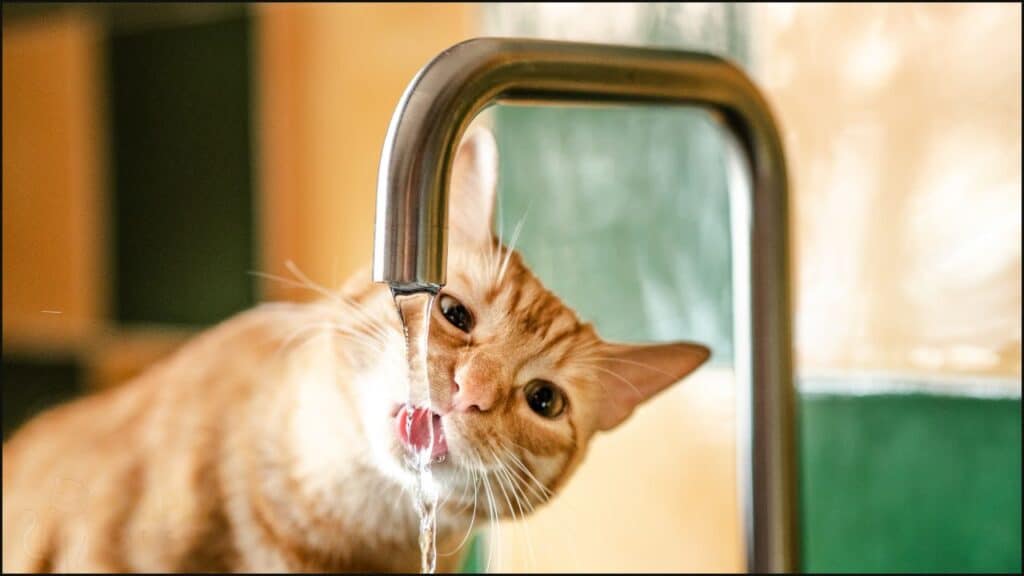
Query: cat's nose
{"points": [[473, 396], [475, 387]]}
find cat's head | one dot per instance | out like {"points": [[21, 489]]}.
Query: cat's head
{"points": [[519, 384]]}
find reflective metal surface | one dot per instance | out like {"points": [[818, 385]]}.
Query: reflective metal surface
{"points": [[410, 240]]}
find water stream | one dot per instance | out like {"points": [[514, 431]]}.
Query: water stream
{"points": [[414, 311]]}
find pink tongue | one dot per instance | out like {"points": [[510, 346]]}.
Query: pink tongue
{"points": [[417, 436]]}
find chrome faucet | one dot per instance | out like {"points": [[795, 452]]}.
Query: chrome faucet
{"points": [[410, 241]]}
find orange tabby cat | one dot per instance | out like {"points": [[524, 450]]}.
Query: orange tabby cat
{"points": [[272, 441]]}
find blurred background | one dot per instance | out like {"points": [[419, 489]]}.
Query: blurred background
{"points": [[154, 157]]}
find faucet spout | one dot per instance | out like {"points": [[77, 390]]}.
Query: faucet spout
{"points": [[410, 242]]}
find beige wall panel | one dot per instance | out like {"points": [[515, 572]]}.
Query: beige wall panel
{"points": [[330, 77]]}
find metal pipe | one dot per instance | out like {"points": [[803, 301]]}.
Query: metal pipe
{"points": [[410, 242]]}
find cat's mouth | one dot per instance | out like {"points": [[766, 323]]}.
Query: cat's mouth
{"points": [[420, 429]]}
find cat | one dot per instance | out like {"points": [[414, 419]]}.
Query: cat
{"points": [[274, 441]]}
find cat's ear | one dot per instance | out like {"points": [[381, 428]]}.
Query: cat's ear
{"points": [[473, 186], [632, 374]]}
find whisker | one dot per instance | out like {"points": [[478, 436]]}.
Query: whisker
{"points": [[334, 296], [295, 334], [493, 516], [504, 471], [275, 277], [586, 360], [465, 489], [620, 377], [512, 244], [570, 543], [472, 518], [493, 259], [354, 331], [501, 484], [545, 493], [370, 322]]}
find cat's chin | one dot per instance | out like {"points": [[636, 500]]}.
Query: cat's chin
{"points": [[400, 466]]}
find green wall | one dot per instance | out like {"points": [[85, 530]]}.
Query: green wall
{"points": [[625, 211]]}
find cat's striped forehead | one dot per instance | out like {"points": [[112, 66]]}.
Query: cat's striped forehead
{"points": [[525, 307]]}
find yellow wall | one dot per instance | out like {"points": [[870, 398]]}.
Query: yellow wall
{"points": [[53, 257], [330, 77]]}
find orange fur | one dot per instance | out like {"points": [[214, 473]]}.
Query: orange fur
{"points": [[268, 442]]}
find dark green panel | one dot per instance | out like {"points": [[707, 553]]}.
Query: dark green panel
{"points": [[30, 385], [182, 172], [911, 483]]}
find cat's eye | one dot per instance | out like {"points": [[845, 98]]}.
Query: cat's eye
{"points": [[456, 313], [544, 398]]}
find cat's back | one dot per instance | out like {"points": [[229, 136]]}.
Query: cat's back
{"points": [[79, 476], [205, 370]]}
